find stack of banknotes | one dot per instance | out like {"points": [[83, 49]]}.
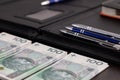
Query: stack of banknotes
{"points": [[72, 67], [10, 44], [22, 60]]}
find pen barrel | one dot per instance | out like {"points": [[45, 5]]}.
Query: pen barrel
{"points": [[55, 1], [97, 30], [96, 40], [95, 35]]}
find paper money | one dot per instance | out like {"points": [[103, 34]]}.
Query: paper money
{"points": [[10, 44], [72, 67], [29, 60]]}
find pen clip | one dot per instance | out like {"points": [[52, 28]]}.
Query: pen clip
{"points": [[110, 47], [102, 43]]}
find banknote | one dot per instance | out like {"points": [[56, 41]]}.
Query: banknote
{"points": [[72, 67], [28, 60], [10, 44]]}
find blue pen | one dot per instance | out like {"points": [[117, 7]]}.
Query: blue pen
{"points": [[93, 34], [99, 41], [50, 2], [97, 30]]}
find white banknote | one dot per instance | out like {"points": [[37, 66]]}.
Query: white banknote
{"points": [[29, 60], [72, 67], [10, 44]]}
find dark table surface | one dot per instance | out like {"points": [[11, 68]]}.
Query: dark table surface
{"points": [[111, 73]]}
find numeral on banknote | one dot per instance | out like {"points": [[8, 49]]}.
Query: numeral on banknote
{"points": [[94, 62], [20, 40], [55, 51]]}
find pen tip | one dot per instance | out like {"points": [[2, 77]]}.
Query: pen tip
{"points": [[69, 28], [117, 47], [45, 3], [73, 24], [78, 25], [63, 31]]}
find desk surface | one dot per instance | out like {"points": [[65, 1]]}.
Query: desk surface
{"points": [[111, 73]]}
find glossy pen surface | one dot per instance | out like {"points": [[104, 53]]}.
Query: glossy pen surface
{"points": [[94, 34], [96, 30], [99, 41], [50, 2]]}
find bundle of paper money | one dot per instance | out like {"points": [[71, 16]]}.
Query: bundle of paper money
{"points": [[10, 44], [72, 67], [21, 60], [28, 60]]}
